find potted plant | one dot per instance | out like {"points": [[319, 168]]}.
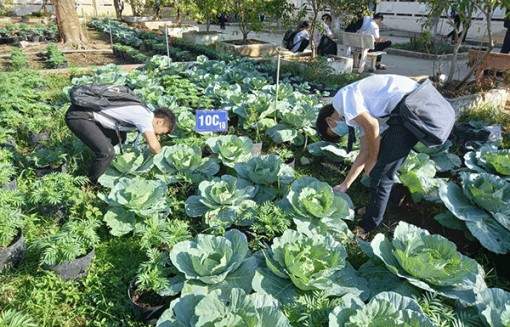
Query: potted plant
{"points": [[12, 243], [47, 161], [18, 60], [153, 288], [54, 57], [69, 251], [37, 128]]}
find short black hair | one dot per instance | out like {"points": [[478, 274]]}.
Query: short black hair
{"points": [[322, 126], [379, 16], [327, 16], [303, 25], [168, 116]]}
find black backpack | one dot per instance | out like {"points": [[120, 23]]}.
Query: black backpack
{"points": [[355, 25], [427, 114], [288, 39], [97, 97]]}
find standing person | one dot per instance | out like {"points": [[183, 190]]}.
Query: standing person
{"points": [[223, 20], [101, 131], [323, 37], [120, 7], [157, 9], [371, 27], [506, 43], [456, 21], [366, 105], [302, 38]]}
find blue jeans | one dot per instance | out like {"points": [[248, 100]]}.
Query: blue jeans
{"points": [[396, 143]]}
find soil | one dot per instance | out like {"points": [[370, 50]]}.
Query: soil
{"points": [[147, 299], [248, 42]]}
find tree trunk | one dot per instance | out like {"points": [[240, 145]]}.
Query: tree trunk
{"points": [[69, 28], [43, 7], [116, 5]]}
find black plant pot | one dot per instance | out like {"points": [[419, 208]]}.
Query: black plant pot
{"points": [[65, 64], [39, 172], [14, 252], [149, 314], [75, 269], [35, 38], [37, 139], [291, 162], [257, 149]]}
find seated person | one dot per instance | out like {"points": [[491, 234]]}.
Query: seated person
{"points": [[302, 38], [323, 37], [371, 27]]}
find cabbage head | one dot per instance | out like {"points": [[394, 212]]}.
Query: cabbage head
{"points": [[312, 263], [210, 259], [223, 201], [494, 307], [235, 308], [429, 262], [384, 309], [482, 203], [489, 159], [231, 149], [184, 162], [268, 173]]}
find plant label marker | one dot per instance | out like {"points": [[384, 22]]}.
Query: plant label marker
{"points": [[211, 120]]}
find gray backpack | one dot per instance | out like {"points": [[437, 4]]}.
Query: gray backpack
{"points": [[427, 114]]}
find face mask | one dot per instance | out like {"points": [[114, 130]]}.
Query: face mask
{"points": [[341, 128]]}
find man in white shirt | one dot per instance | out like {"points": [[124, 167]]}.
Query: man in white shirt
{"points": [[101, 131], [323, 37], [371, 27], [384, 142], [302, 38]]}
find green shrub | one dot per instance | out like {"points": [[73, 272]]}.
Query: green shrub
{"points": [[18, 59], [55, 57]]}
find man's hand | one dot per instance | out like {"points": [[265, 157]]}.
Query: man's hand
{"points": [[341, 188]]}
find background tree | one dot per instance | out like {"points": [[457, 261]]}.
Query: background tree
{"points": [[210, 9], [248, 13], [466, 9], [181, 7], [137, 6], [69, 28]]}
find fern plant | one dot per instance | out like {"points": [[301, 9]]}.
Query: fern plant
{"points": [[11, 221], [153, 274], [271, 220], [162, 234], [74, 239], [55, 57], [57, 188], [310, 310], [18, 59], [444, 315], [14, 318]]}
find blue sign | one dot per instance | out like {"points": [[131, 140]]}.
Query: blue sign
{"points": [[211, 120]]}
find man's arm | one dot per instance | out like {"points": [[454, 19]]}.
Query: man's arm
{"points": [[356, 168], [152, 142], [370, 126]]}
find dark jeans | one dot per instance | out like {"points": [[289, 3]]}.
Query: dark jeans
{"points": [[506, 43], [99, 139], [396, 143], [303, 45], [327, 47], [380, 46]]}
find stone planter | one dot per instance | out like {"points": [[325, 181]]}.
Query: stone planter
{"points": [[203, 37], [156, 24], [427, 56], [177, 30], [136, 19], [495, 98], [258, 49], [340, 64]]}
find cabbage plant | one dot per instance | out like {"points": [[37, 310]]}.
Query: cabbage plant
{"points": [[384, 309], [130, 164], [429, 262], [444, 160], [319, 210], [215, 262], [131, 198], [489, 159], [223, 201], [268, 173], [184, 163], [235, 308], [494, 307], [482, 204], [231, 149], [309, 264], [332, 151]]}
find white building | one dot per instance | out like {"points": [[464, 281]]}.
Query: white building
{"points": [[85, 8]]}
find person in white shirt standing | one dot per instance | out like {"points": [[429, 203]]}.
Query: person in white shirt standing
{"points": [[323, 37], [302, 38], [371, 105], [101, 131], [371, 27]]}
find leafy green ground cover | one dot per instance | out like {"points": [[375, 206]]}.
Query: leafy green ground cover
{"points": [[210, 225]]}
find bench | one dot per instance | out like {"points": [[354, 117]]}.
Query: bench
{"points": [[358, 46], [495, 62]]}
